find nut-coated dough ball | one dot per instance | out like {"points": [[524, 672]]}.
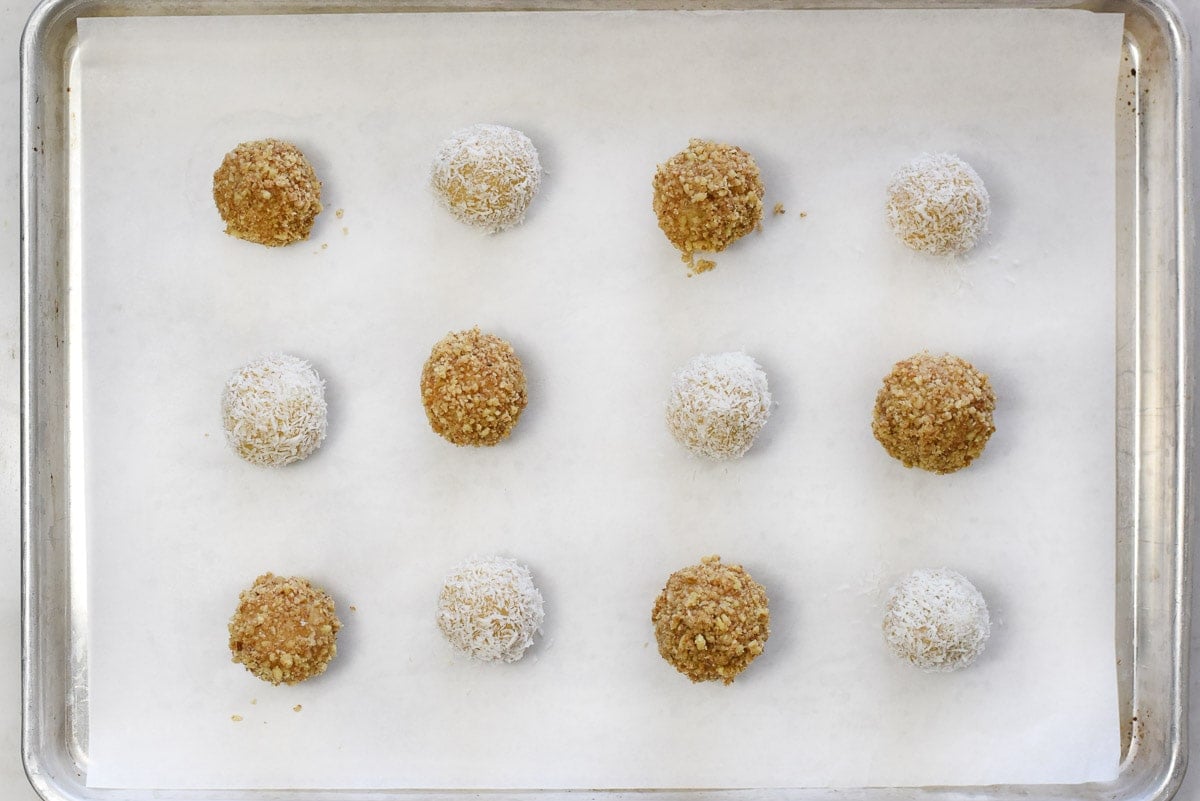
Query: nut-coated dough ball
{"points": [[934, 412], [284, 630], [267, 192], [707, 197], [473, 388], [711, 620]]}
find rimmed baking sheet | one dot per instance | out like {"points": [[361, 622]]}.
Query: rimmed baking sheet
{"points": [[591, 491]]}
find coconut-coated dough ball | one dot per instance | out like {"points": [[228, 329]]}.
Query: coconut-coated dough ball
{"points": [[486, 176], [936, 620], [718, 404], [273, 410], [490, 609], [937, 204]]}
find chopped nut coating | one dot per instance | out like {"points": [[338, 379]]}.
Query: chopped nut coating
{"points": [[284, 630], [711, 620], [934, 412], [473, 388], [267, 192], [706, 198]]}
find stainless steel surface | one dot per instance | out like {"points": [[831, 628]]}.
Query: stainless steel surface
{"points": [[1154, 444]]}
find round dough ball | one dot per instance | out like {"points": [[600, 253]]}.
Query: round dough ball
{"points": [[718, 404], [273, 410], [473, 388], [707, 197], [489, 609], [486, 176], [267, 192], [936, 620], [934, 412], [284, 630], [937, 204], [711, 620]]}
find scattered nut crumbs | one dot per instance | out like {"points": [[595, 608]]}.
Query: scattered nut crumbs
{"points": [[339, 213], [284, 630], [253, 701], [803, 214], [354, 609], [779, 209], [345, 231], [707, 197], [711, 620], [473, 388], [267, 192], [702, 266], [236, 718], [934, 412], [297, 708]]}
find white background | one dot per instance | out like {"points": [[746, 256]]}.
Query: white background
{"points": [[11, 777]]}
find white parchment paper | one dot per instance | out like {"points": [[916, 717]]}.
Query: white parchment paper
{"points": [[591, 491]]}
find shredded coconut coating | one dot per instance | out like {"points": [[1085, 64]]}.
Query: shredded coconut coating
{"points": [[284, 630], [934, 412], [937, 204], [707, 197], [473, 388], [718, 405], [486, 176], [267, 192], [936, 620], [490, 610], [711, 620], [274, 411]]}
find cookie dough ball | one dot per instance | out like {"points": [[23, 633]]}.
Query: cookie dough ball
{"points": [[284, 630], [473, 388], [718, 404], [937, 204], [934, 412], [936, 620], [273, 410], [267, 192], [486, 176], [489, 609], [711, 620], [707, 197]]}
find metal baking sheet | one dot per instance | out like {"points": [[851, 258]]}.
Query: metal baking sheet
{"points": [[1128, 317]]}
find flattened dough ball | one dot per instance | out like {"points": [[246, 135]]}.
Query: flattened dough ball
{"points": [[718, 405], [936, 620], [490, 610], [707, 197], [284, 630], [486, 176], [934, 412], [937, 204], [473, 388], [267, 192], [273, 410], [711, 620]]}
